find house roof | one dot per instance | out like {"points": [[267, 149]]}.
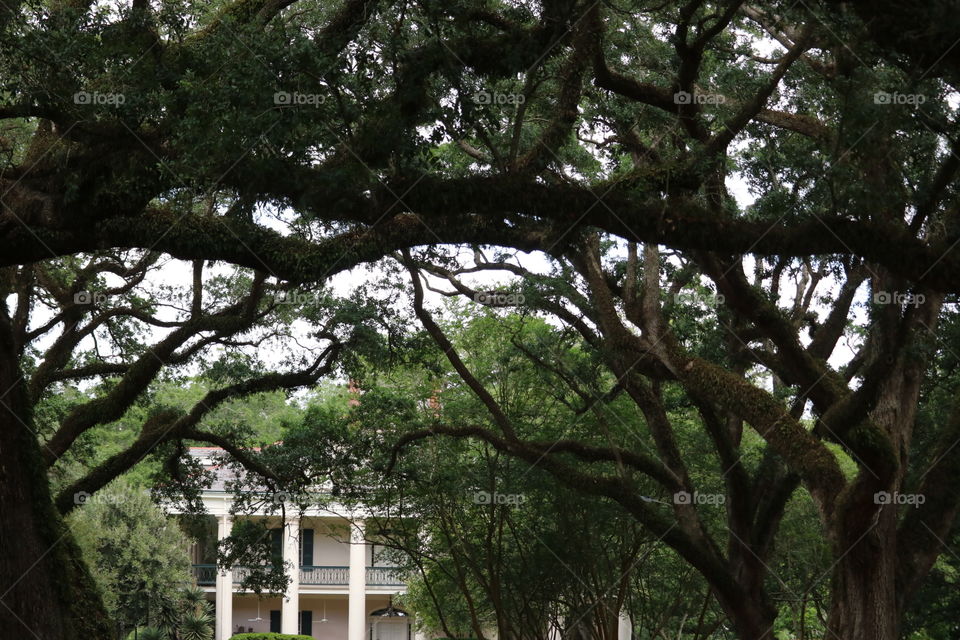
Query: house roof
{"points": [[213, 460]]}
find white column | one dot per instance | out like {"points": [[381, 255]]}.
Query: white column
{"points": [[418, 633], [625, 627], [357, 608], [224, 596], [290, 609]]}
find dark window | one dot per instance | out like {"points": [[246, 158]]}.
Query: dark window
{"points": [[306, 623], [276, 546], [306, 547], [274, 622]]}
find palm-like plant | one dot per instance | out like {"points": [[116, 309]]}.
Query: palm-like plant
{"points": [[151, 633], [195, 599], [168, 611], [195, 625]]}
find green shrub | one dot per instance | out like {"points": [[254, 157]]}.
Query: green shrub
{"points": [[269, 636], [196, 625]]}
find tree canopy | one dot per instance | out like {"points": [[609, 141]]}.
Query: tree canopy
{"points": [[745, 219]]}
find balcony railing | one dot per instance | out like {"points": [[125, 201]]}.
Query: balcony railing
{"points": [[205, 574], [333, 576], [383, 577], [239, 573]]}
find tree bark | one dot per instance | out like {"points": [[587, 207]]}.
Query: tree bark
{"points": [[46, 591], [751, 620], [864, 603]]}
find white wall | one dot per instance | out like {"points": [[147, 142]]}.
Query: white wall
{"points": [[328, 548], [336, 626], [245, 608]]}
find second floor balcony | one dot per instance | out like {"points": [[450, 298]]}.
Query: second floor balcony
{"points": [[325, 576]]}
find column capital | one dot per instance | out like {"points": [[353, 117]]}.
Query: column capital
{"points": [[224, 524], [357, 531]]}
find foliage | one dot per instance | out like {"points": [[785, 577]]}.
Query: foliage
{"points": [[268, 636], [138, 553]]}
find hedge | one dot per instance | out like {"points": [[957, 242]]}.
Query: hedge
{"points": [[269, 636]]}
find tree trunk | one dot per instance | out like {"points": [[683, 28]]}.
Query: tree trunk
{"points": [[46, 591], [750, 620], [863, 535], [752, 615], [864, 604]]}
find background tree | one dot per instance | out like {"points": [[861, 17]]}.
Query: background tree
{"points": [[490, 542], [99, 335], [135, 553], [709, 369]]}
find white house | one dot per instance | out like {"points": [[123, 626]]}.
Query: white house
{"points": [[339, 587]]}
